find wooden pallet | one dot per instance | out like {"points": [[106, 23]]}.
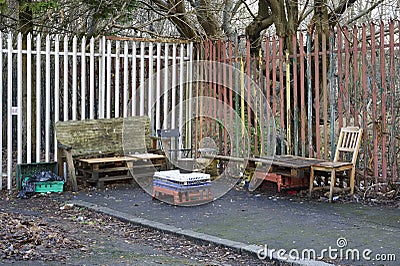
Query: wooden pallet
{"points": [[101, 170]]}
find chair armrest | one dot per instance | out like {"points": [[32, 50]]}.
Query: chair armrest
{"points": [[186, 152]]}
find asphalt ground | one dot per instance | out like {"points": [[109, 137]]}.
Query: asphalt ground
{"points": [[345, 234]]}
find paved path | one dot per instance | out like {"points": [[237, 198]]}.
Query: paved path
{"points": [[261, 220]]}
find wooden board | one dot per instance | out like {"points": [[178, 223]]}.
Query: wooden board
{"points": [[223, 158], [147, 156], [106, 160], [281, 160], [288, 161], [105, 136]]}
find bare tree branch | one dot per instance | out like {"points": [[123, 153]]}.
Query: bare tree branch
{"points": [[339, 10], [303, 10], [248, 8], [365, 12]]}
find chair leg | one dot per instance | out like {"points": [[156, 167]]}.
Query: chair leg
{"points": [[311, 181], [352, 180], [333, 181]]}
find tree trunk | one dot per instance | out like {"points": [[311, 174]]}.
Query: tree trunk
{"points": [[207, 19], [282, 14], [262, 21]]}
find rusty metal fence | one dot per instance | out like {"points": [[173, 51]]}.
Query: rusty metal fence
{"points": [[314, 85], [349, 77]]}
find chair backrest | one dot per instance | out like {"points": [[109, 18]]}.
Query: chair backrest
{"points": [[349, 142], [168, 133], [168, 141]]}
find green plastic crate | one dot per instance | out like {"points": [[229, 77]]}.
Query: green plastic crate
{"points": [[48, 186], [24, 170]]}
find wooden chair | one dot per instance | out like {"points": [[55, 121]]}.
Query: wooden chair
{"points": [[170, 137], [348, 146], [169, 144]]}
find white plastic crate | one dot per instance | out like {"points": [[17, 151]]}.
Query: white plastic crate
{"points": [[182, 178]]}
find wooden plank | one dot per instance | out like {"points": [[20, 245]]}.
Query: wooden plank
{"points": [[302, 98], [197, 114], [392, 98], [288, 161], [114, 178], [309, 100], [325, 97], [218, 95], [242, 97], [215, 81], [208, 107], [282, 95], [268, 87], [296, 160], [295, 108], [105, 170], [347, 74], [199, 130], [223, 158], [374, 104], [147, 156], [256, 104], [225, 94], [106, 160], [316, 85], [288, 106], [71, 170], [332, 90], [274, 77], [248, 88], [230, 82], [355, 73], [136, 167], [340, 73], [262, 110], [383, 100], [103, 136], [366, 98]]}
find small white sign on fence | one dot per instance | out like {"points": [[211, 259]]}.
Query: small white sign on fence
{"points": [[15, 110]]}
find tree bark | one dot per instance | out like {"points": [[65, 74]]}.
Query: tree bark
{"points": [[282, 14], [207, 19]]}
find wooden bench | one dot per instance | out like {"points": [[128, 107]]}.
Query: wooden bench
{"points": [[104, 149], [283, 171]]}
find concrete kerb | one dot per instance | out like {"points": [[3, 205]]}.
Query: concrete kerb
{"points": [[196, 236]]}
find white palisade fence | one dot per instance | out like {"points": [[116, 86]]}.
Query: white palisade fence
{"points": [[69, 78]]}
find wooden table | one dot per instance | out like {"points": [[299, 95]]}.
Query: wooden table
{"points": [[288, 165], [287, 171]]}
